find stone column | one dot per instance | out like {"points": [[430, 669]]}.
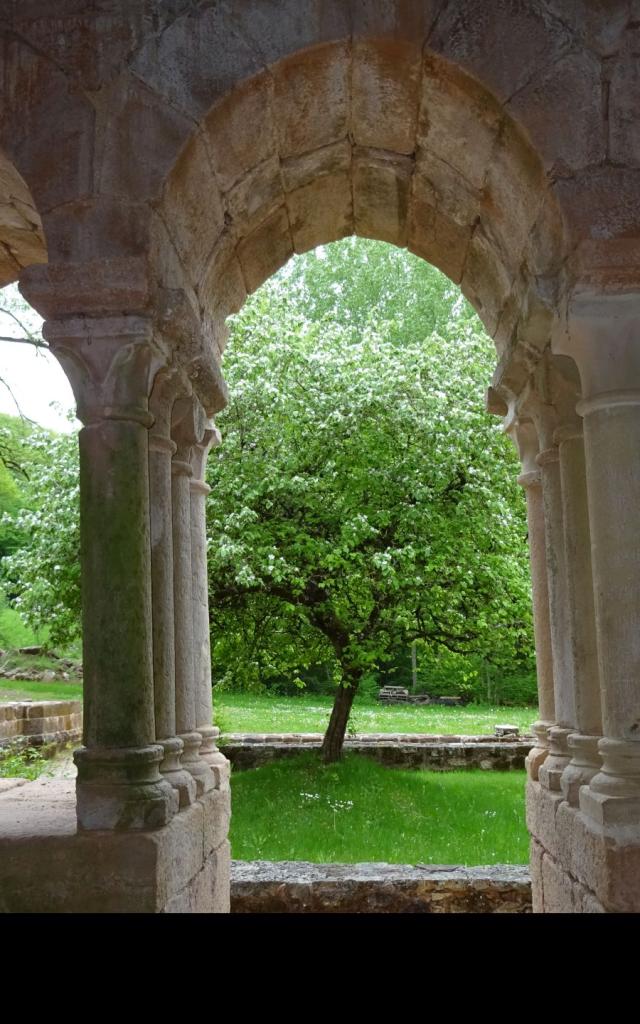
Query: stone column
{"points": [[188, 427], [524, 435], [111, 363], [601, 335], [201, 635], [583, 744], [167, 386], [548, 459]]}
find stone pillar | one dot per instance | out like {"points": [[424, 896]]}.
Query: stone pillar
{"points": [[583, 744], [111, 363], [601, 335], [188, 427], [548, 459], [167, 385], [201, 635], [524, 435]]}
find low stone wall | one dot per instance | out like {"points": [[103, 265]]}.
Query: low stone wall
{"points": [[297, 887], [399, 750], [41, 723]]}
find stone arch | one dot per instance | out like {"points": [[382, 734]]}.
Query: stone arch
{"points": [[376, 140]]}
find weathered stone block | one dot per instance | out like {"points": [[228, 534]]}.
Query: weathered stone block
{"points": [[240, 132], [255, 197], [458, 121], [222, 289], [381, 195], [192, 64], [311, 99], [265, 250], [194, 226], [473, 36], [321, 212], [562, 109], [385, 91], [486, 282], [331, 160], [436, 237]]}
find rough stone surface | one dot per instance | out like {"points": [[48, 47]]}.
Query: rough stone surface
{"points": [[297, 887]]}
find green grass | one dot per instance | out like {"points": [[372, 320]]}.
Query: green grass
{"points": [[14, 689], [14, 632], [299, 809], [245, 712]]}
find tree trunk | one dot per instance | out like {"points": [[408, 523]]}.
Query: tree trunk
{"points": [[334, 736]]}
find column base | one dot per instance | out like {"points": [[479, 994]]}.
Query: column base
{"points": [[584, 764], [210, 753], [121, 788], [613, 796], [177, 776], [539, 752], [550, 773], [195, 764]]}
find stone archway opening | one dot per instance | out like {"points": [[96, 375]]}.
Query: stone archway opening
{"points": [[195, 154]]}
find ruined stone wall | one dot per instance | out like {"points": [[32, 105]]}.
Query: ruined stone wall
{"points": [[41, 723]]}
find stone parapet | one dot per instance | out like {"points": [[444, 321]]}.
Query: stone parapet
{"points": [[297, 887]]}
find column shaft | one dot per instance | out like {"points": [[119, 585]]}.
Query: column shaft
{"points": [[612, 447], [186, 694], [563, 678], [201, 628], [161, 450], [583, 745], [118, 780], [541, 625]]}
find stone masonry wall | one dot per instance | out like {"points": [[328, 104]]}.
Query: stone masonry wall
{"points": [[398, 750], [297, 887], [41, 724]]}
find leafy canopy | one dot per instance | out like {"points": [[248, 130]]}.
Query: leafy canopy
{"points": [[361, 497]]}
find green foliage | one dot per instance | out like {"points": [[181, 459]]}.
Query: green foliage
{"points": [[361, 497], [42, 579], [21, 762], [358, 811]]}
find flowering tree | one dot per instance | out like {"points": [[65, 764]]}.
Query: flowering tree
{"points": [[362, 498]]}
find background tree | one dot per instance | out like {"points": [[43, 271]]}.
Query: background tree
{"points": [[362, 494]]}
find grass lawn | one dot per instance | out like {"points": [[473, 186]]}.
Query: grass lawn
{"points": [[246, 712], [14, 689], [299, 809]]}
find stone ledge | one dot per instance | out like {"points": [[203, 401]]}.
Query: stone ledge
{"points": [[298, 887], [395, 750]]}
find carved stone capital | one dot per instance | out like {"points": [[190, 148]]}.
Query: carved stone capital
{"points": [[111, 363], [600, 333]]}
